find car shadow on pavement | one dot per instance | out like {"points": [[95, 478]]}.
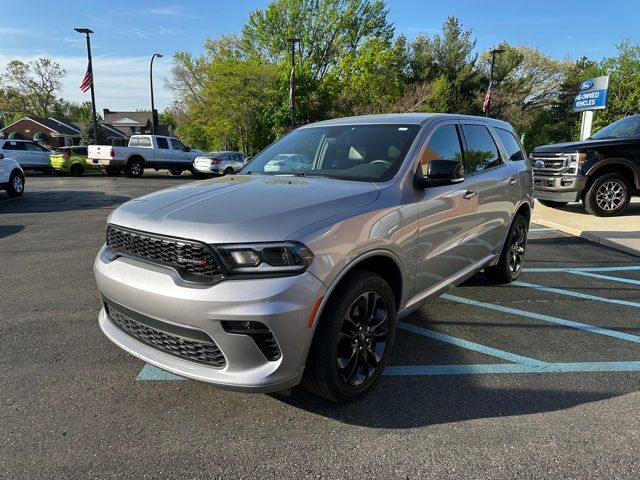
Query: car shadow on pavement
{"points": [[578, 208], [61, 201], [8, 230], [412, 402]]}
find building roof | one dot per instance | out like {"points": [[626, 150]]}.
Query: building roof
{"points": [[127, 119], [57, 125]]}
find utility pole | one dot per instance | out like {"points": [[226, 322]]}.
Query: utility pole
{"points": [[153, 109], [87, 32], [292, 81], [493, 53]]}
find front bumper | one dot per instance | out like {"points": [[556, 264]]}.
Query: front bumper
{"points": [[559, 188], [283, 304]]}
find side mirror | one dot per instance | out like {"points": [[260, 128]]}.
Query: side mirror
{"points": [[246, 160], [442, 172]]}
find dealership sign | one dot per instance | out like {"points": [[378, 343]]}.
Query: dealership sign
{"points": [[592, 94]]}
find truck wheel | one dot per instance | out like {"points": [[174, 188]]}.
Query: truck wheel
{"points": [[175, 172], [607, 196], [552, 203], [135, 168], [16, 184], [76, 170], [353, 340], [509, 267]]}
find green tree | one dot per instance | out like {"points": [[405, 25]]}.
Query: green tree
{"points": [[87, 136], [31, 88], [328, 30]]}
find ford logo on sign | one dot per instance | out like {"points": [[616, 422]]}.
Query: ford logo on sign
{"points": [[586, 85]]}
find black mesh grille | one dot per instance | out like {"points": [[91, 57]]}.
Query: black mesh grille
{"points": [[271, 349], [207, 353], [193, 260]]}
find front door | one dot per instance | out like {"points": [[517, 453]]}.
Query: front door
{"points": [[447, 215]]}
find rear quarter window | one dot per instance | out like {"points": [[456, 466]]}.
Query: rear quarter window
{"points": [[514, 151]]}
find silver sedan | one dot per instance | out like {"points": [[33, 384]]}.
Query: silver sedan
{"points": [[219, 163]]}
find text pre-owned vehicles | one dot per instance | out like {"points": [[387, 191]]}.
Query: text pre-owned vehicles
{"points": [[11, 176], [30, 155], [306, 275], [71, 160], [144, 151], [603, 171], [219, 163]]}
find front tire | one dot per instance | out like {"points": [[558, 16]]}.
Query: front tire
{"points": [[552, 203], [353, 340], [16, 184], [509, 266], [607, 196], [135, 168]]}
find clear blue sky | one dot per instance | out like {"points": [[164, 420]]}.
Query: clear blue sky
{"points": [[127, 35]]}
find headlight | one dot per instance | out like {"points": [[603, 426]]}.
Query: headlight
{"points": [[576, 159], [265, 258]]}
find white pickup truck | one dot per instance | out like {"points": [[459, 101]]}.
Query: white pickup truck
{"points": [[144, 151]]}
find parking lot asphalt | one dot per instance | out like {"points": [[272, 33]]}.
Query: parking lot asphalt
{"points": [[539, 379]]}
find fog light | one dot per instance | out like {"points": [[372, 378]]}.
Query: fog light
{"points": [[244, 327]]}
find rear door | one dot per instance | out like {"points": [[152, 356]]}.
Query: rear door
{"points": [[17, 151], [447, 215], [496, 184], [163, 152]]}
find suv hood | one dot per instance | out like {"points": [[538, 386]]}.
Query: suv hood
{"points": [[572, 147], [243, 208]]}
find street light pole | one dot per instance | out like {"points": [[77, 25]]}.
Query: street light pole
{"points": [[153, 109], [493, 53], [292, 81], [87, 32]]}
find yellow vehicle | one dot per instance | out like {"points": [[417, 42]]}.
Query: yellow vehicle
{"points": [[72, 160]]}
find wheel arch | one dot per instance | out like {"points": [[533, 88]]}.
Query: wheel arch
{"points": [[136, 156], [621, 166]]}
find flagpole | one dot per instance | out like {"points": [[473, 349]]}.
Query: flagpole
{"points": [[86, 31], [292, 81], [489, 92]]}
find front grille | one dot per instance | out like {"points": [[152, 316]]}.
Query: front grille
{"points": [[549, 163], [203, 350], [194, 261]]}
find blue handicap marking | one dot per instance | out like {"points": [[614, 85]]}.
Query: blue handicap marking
{"points": [[149, 372]]}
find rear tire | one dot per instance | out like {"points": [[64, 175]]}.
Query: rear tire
{"points": [[553, 203], [175, 172], [353, 339], [511, 261], [110, 171], [608, 196], [16, 184], [228, 171], [76, 170], [135, 168]]}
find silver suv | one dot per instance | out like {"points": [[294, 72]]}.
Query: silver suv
{"points": [[305, 278]]}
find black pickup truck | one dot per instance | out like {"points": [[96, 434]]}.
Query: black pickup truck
{"points": [[603, 171]]}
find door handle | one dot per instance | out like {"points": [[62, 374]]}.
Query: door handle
{"points": [[470, 194], [513, 180]]}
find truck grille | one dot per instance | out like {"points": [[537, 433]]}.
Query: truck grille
{"points": [[202, 350], [194, 261], [549, 163]]}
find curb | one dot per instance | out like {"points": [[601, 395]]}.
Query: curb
{"points": [[590, 236]]}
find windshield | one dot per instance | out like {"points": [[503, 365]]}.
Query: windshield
{"points": [[624, 128], [366, 153]]}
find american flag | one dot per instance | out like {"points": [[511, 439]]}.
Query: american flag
{"points": [[87, 80], [487, 99]]}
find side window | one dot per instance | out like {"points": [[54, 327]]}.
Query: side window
{"points": [[134, 142], [511, 145], [444, 144], [481, 152], [162, 143], [80, 150], [34, 147], [177, 144], [13, 146], [144, 141]]}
